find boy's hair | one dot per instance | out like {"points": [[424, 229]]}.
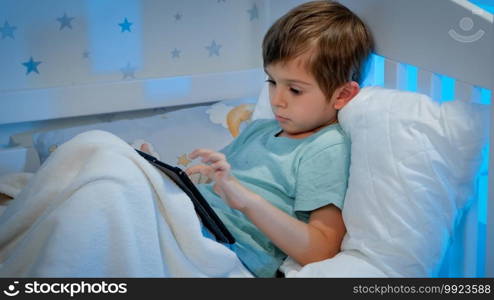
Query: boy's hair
{"points": [[337, 41]]}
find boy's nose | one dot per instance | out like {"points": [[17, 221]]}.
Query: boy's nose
{"points": [[277, 98]]}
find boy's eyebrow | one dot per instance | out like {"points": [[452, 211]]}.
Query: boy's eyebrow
{"points": [[266, 71], [297, 81], [290, 80]]}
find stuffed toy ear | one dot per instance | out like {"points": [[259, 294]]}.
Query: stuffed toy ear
{"points": [[236, 116]]}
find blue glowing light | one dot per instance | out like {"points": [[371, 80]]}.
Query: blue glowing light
{"points": [[111, 47], [375, 72], [487, 5], [447, 88], [412, 78]]}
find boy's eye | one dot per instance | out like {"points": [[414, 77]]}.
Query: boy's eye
{"points": [[295, 91], [271, 82]]}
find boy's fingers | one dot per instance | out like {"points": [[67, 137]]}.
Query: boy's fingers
{"points": [[145, 148], [220, 165], [199, 152], [213, 157], [217, 156], [202, 169], [207, 155], [193, 170]]}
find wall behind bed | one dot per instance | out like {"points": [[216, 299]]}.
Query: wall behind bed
{"points": [[93, 55], [55, 43]]}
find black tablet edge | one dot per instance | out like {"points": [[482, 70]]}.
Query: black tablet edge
{"points": [[209, 217]]}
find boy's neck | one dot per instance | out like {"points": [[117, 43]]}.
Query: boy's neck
{"points": [[303, 135]]}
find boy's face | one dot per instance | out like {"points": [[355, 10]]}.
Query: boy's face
{"points": [[299, 105]]}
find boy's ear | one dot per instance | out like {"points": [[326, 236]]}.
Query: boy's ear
{"points": [[345, 93]]}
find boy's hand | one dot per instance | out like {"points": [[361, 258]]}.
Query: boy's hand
{"points": [[217, 168]]}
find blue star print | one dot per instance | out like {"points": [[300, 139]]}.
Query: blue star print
{"points": [[7, 30], [176, 53], [125, 25], [253, 12], [128, 71], [214, 49], [31, 66], [65, 22]]}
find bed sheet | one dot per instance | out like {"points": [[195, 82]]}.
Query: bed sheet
{"points": [[173, 134]]}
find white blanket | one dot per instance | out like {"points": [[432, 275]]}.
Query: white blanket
{"points": [[97, 209]]}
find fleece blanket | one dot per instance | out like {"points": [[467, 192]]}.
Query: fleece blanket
{"points": [[96, 208]]}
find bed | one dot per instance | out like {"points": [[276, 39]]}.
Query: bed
{"points": [[434, 63]]}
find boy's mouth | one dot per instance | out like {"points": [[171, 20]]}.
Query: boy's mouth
{"points": [[281, 119]]}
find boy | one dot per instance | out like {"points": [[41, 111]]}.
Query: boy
{"points": [[284, 180], [279, 187]]}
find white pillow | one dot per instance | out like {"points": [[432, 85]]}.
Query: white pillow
{"points": [[263, 106], [413, 168]]}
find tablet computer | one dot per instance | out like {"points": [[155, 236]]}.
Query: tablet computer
{"points": [[206, 214]]}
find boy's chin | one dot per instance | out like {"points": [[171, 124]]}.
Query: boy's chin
{"points": [[295, 134]]}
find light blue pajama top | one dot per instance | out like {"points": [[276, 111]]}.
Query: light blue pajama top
{"points": [[295, 175]]}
